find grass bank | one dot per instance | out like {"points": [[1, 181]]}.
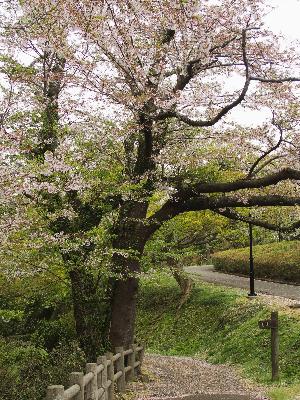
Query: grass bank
{"points": [[219, 325], [279, 261]]}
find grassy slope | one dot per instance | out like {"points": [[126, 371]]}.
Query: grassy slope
{"points": [[220, 325], [279, 261]]}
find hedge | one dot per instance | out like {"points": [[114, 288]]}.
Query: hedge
{"points": [[278, 261]]}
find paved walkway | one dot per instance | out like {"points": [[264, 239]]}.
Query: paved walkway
{"points": [[208, 274]]}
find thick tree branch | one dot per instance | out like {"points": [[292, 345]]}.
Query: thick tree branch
{"points": [[173, 207], [205, 123], [264, 224], [144, 161], [193, 67], [53, 74], [202, 123], [193, 199], [212, 203], [278, 80], [191, 71], [225, 187], [224, 110]]}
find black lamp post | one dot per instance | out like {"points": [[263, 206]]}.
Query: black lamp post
{"points": [[251, 269]]}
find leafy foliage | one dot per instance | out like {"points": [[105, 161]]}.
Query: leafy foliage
{"points": [[192, 237], [27, 369], [37, 335]]}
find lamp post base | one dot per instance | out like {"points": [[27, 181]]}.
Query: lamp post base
{"points": [[252, 294]]}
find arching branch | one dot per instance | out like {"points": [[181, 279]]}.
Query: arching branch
{"points": [[212, 203], [278, 80], [225, 187], [232, 214], [173, 207]]}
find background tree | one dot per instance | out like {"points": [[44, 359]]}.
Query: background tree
{"points": [[52, 172]]}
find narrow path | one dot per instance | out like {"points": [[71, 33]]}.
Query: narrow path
{"points": [[191, 379], [208, 274]]}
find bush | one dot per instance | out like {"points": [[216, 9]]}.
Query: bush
{"points": [[278, 261], [48, 334], [27, 369]]}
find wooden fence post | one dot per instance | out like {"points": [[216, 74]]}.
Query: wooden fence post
{"points": [[141, 359], [102, 360], [120, 365], [273, 325], [76, 378], [92, 367], [275, 345], [55, 392], [131, 362], [110, 376], [90, 387]]}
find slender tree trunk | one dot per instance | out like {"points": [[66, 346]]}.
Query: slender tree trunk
{"points": [[131, 238], [185, 283]]}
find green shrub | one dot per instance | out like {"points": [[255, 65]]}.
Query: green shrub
{"points": [[49, 333], [278, 261], [26, 370], [11, 322]]}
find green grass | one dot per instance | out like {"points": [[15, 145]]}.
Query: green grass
{"points": [[219, 325], [284, 393], [280, 261]]}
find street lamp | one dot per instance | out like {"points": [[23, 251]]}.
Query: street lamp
{"points": [[251, 264]]}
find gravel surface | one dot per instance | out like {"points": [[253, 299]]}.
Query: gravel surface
{"points": [[167, 376]]}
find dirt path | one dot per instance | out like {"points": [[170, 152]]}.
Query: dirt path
{"points": [[173, 377], [208, 274]]}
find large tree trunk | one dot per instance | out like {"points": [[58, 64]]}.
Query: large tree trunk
{"points": [[90, 310], [123, 304], [131, 238]]}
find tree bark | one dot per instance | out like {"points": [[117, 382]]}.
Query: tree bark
{"points": [[130, 237], [185, 283], [124, 304]]}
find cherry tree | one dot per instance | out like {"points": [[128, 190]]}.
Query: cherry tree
{"points": [[169, 68], [172, 77]]}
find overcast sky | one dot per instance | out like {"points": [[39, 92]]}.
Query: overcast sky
{"points": [[285, 17]]}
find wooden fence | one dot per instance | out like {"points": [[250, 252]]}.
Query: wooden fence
{"points": [[101, 378]]}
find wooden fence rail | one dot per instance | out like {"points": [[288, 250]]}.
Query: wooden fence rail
{"points": [[99, 380]]}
